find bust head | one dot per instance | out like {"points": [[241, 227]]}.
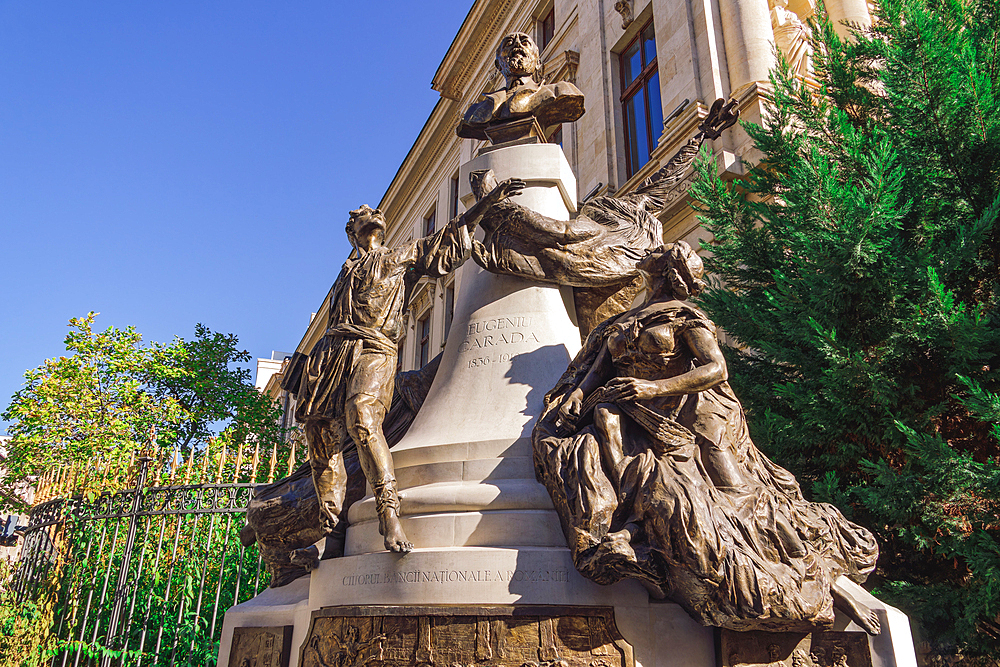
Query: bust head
{"points": [[517, 56], [674, 269], [365, 220]]}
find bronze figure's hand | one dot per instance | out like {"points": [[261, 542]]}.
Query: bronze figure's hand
{"points": [[569, 411], [629, 389], [509, 188]]}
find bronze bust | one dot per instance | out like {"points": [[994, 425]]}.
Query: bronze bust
{"points": [[524, 96]]}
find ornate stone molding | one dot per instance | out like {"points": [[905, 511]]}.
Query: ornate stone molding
{"points": [[562, 67], [624, 7], [423, 298]]}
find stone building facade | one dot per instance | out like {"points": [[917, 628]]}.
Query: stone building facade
{"points": [[649, 70]]}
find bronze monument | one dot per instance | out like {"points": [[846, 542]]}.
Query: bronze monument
{"points": [[347, 384], [525, 106], [645, 451]]}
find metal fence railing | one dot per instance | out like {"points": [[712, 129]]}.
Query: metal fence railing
{"points": [[140, 576]]}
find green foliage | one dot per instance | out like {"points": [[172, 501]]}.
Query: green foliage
{"points": [[859, 269], [111, 394]]}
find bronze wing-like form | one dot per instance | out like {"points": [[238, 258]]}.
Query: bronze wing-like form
{"points": [[657, 187]]}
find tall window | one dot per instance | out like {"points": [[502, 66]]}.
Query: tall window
{"points": [[424, 342], [449, 308], [430, 222], [453, 211], [546, 29], [640, 99]]}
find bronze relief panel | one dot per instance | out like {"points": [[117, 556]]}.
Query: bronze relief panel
{"points": [[791, 649], [261, 647], [498, 636]]}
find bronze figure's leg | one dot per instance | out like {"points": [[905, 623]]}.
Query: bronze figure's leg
{"points": [[608, 422], [718, 458], [328, 472], [364, 423]]}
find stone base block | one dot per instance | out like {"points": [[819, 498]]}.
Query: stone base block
{"points": [[532, 601]]}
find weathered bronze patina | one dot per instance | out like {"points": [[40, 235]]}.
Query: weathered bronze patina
{"points": [[526, 636], [523, 97], [347, 383], [645, 451], [596, 251]]}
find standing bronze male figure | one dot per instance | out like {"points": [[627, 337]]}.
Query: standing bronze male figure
{"points": [[346, 388]]}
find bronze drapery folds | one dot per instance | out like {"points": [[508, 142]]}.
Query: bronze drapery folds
{"points": [[596, 252], [645, 451]]}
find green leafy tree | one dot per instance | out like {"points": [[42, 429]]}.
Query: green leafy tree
{"points": [[110, 395], [859, 271]]}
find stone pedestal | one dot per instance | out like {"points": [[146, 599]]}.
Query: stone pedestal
{"points": [[491, 581]]}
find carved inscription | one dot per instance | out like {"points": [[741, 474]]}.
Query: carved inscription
{"points": [[787, 649], [489, 340], [261, 647], [527, 636], [455, 576]]}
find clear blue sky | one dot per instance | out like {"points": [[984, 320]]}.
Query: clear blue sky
{"points": [[172, 163]]}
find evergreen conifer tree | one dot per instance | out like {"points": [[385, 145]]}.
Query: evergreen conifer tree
{"points": [[858, 270]]}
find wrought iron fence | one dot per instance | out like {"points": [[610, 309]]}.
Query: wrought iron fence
{"points": [[141, 576]]}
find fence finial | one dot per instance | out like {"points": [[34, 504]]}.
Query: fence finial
{"points": [[274, 463], [256, 462], [239, 462], [204, 460], [190, 465], [222, 463]]}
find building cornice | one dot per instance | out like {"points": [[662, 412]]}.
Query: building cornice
{"points": [[478, 32]]}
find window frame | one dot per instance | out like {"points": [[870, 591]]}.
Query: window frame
{"points": [[424, 339], [453, 196], [430, 222], [638, 87], [449, 308], [546, 28]]}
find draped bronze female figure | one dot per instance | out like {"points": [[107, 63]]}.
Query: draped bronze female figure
{"points": [[646, 453]]}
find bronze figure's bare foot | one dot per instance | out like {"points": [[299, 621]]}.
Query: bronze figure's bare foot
{"points": [[307, 557], [392, 531], [857, 612]]}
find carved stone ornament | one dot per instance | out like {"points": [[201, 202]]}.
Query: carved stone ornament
{"points": [[261, 647], [792, 37], [562, 67], [523, 636], [624, 7], [780, 649], [523, 96]]}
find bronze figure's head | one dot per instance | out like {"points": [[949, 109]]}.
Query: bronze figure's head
{"points": [[679, 266], [517, 56], [363, 219]]}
